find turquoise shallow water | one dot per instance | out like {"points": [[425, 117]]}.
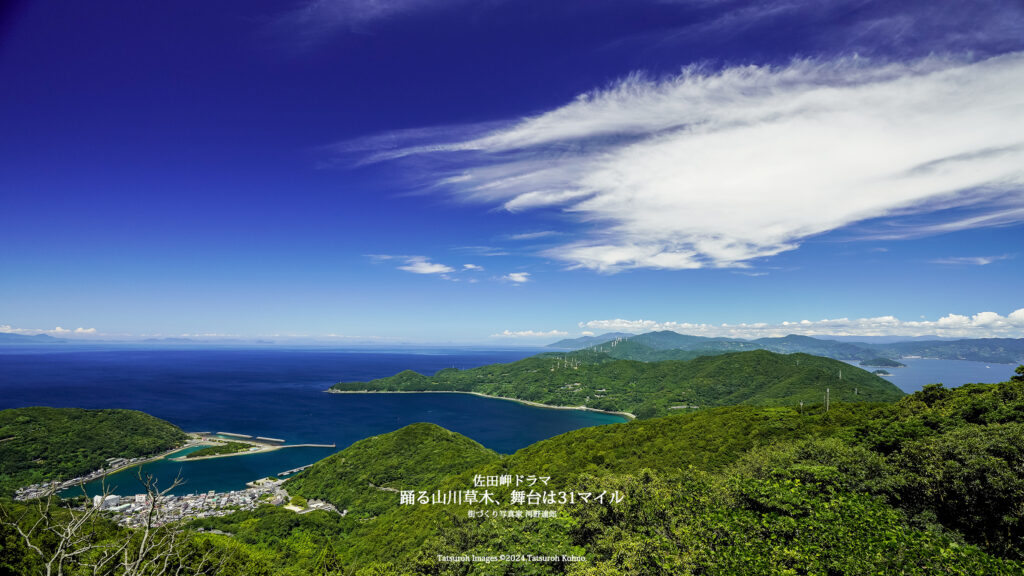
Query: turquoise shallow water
{"points": [[274, 393]]}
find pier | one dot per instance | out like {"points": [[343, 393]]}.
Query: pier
{"points": [[293, 470], [233, 435], [310, 446]]}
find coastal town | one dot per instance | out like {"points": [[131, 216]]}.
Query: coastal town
{"points": [[133, 510], [113, 465]]}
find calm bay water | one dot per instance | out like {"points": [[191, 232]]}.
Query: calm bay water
{"points": [[951, 373], [272, 392]]}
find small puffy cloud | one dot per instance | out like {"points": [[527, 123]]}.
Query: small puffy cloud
{"points": [[472, 267], [529, 334], [981, 325], [517, 277], [423, 265], [587, 333]]}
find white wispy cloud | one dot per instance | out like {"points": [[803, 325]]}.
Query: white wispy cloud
{"points": [[423, 265], [517, 277], [533, 235], [483, 251], [56, 331], [472, 267], [980, 325], [529, 334], [718, 168], [970, 260], [321, 16]]}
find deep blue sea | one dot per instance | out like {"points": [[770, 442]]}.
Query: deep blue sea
{"points": [[277, 393]]}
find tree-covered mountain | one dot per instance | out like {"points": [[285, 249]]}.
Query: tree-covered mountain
{"points": [[1001, 350], [585, 341], [668, 345], [365, 477], [40, 444], [599, 381]]}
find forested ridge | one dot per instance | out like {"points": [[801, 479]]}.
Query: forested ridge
{"points": [[597, 380], [668, 345], [40, 444]]}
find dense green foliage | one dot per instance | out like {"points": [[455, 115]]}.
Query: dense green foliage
{"points": [[594, 379], [40, 444], [932, 484], [276, 541], [226, 448], [365, 477]]}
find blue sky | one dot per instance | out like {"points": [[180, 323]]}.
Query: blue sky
{"points": [[511, 171]]}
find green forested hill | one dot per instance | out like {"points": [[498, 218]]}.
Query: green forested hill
{"points": [[364, 477], [39, 443], [930, 484], [596, 380]]}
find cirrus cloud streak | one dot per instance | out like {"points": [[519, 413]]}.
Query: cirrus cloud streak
{"points": [[719, 168]]}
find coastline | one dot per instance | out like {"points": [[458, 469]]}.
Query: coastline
{"points": [[102, 473], [627, 415], [262, 450]]}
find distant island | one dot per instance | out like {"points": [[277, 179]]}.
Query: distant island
{"points": [[668, 345]]}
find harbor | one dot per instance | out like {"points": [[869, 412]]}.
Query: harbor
{"points": [[257, 444]]}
